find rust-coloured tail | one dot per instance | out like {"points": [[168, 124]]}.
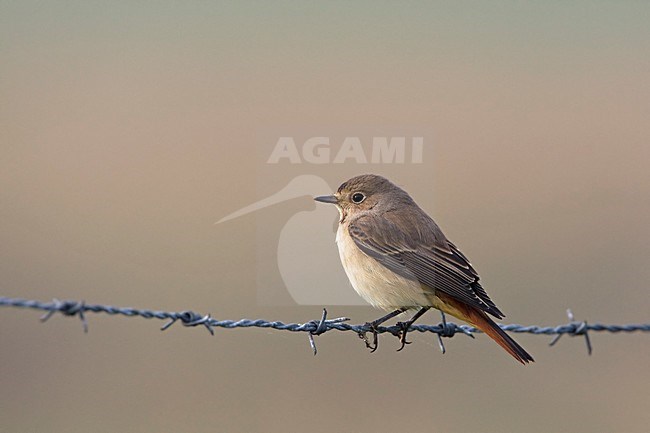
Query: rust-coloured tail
{"points": [[480, 320]]}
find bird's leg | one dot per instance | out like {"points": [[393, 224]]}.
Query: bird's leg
{"points": [[373, 328], [406, 325]]}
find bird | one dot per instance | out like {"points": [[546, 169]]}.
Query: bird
{"points": [[398, 259]]}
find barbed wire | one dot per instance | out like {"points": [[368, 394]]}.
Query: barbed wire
{"points": [[312, 327]]}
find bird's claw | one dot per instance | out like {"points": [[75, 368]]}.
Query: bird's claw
{"points": [[375, 340], [404, 327]]}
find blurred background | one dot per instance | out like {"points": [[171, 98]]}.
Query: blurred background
{"points": [[127, 130]]}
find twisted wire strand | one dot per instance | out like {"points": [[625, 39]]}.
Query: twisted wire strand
{"points": [[313, 327]]}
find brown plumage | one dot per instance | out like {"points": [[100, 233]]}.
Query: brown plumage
{"points": [[397, 258]]}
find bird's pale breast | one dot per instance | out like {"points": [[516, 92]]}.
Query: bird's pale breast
{"points": [[375, 283]]}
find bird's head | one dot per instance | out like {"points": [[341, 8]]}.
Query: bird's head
{"points": [[363, 193]]}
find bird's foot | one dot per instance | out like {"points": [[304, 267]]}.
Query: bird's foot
{"points": [[364, 336], [404, 327]]}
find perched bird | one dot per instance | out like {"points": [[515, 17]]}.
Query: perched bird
{"points": [[398, 259]]}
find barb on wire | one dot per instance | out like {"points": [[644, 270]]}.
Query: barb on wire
{"points": [[321, 328], [313, 327], [580, 328], [448, 330], [67, 308], [190, 318]]}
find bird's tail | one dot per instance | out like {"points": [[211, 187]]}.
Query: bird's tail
{"points": [[480, 320]]}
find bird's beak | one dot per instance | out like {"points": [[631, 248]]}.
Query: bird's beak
{"points": [[327, 199]]}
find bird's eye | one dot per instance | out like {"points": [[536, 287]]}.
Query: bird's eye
{"points": [[358, 197]]}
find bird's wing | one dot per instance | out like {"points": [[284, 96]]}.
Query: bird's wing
{"points": [[437, 266]]}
